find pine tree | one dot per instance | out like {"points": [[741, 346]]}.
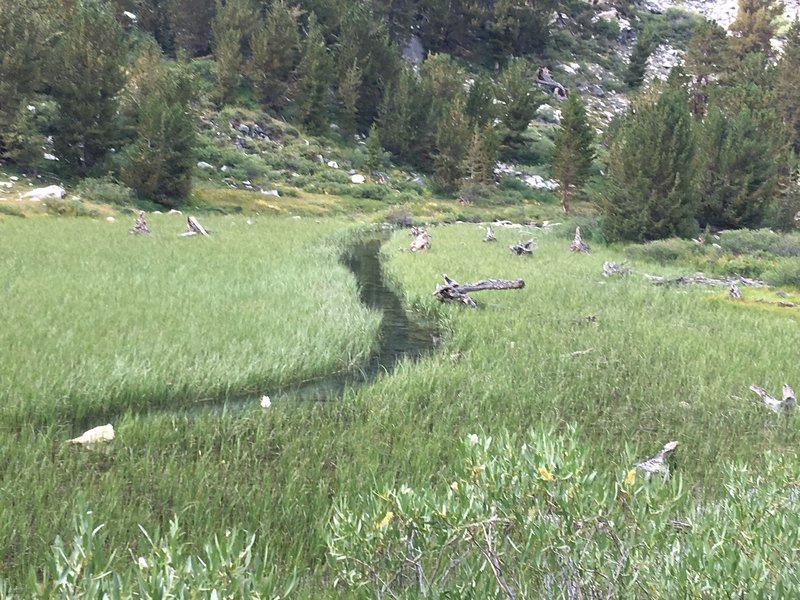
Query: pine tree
{"points": [[452, 134], [707, 56], [190, 24], [650, 171], [737, 171], [157, 165], [404, 120], [22, 31], [645, 44], [787, 83], [275, 47], [86, 76], [520, 100], [232, 32], [481, 156], [755, 26], [348, 94], [314, 74], [376, 156], [574, 151]]}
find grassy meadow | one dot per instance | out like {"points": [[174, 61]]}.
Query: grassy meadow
{"points": [[101, 326]]}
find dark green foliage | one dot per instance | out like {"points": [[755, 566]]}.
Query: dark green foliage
{"points": [[479, 107], [314, 73], [482, 155], [520, 98], [404, 119], [452, 135], [158, 164], [376, 156], [86, 74], [574, 148], [275, 53], [754, 26], [737, 173], [645, 44], [190, 22], [650, 172], [787, 83], [23, 30], [232, 32], [707, 55]]}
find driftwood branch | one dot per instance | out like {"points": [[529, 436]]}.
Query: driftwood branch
{"points": [[544, 79], [193, 227], [454, 291], [522, 248], [702, 279]]}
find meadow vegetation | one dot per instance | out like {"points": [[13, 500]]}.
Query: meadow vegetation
{"points": [[103, 327]]}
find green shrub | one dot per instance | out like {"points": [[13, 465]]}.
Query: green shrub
{"points": [[664, 251], [105, 191], [531, 518], [747, 241], [70, 207], [785, 273], [12, 211]]}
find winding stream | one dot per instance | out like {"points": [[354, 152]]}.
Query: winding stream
{"points": [[398, 336]]}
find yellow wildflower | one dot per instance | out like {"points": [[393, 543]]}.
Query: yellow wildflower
{"points": [[545, 474], [630, 478], [387, 518]]}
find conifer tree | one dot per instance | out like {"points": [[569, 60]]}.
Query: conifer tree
{"points": [[376, 156], [755, 26], [404, 119], [574, 150], [275, 48], [787, 84], [232, 31], [452, 135], [348, 94], [481, 155], [314, 74], [191, 24], [86, 76], [520, 100], [707, 56], [737, 171], [157, 165], [650, 171], [645, 44]]}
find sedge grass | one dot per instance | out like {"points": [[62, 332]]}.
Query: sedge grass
{"points": [[659, 363]]}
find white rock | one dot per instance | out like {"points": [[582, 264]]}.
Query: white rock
{"points": [[271, 193], [538, 182], [110, 219], [130, 15], [174, 212], [45, 193], [48, 156], [333, 164], [14, 178], [204, 165], [104, 433], [357, 178], [265, 402], [31, 108]]}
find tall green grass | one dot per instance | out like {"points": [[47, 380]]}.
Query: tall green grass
{"points": [[661, 363]]}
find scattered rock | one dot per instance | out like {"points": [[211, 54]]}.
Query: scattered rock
{"points": [[204, 165], [357, 178], [271, 193], [51, 192], [103, 433], [333, 164]]}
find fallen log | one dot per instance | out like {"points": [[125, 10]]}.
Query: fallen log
{"points": [[613, 268], [193, 227], [702, 279], [454, 291], [521, 248], [544, 79]]}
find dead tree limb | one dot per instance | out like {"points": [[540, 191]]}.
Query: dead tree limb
{"points": [[522, 248], [193, 227], [454, 291], [702, 279], [544, 79]]}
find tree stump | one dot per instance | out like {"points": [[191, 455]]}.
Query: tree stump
{"points": [[140, 227], [193, 227], [578, 245], [489, 235], [522, 248]]}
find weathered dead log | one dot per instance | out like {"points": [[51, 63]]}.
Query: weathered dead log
{"points": [[421, 242], [452, 291], [702, 279], [103, 433], [578, 245], [415, 231], [658, 464], [193, 227], [788, 403], [140, 227], [489, 235], [544, 79], [734, 293], [612, 268], [521, 248]]}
